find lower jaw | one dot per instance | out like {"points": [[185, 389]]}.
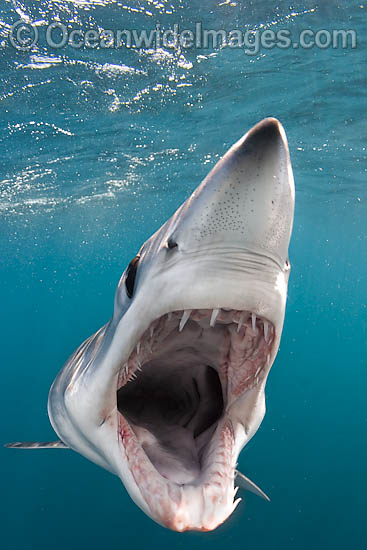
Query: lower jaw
{"points": [[202, 505]]}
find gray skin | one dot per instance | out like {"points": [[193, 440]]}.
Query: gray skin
{"points": [[225, 247]]}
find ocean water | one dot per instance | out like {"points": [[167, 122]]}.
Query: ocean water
{"points": [[99, 146]]}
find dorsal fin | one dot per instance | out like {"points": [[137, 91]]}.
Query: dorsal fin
{"points": [[37, 445], [246, 483]]}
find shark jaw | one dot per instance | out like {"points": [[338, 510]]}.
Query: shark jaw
{"points": [[175, 397], [168, 392]]}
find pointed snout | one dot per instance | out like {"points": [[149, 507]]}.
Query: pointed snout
{"points": [[266, 134], [247, 199]]}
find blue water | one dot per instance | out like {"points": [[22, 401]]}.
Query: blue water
{"points": [[98, 148]]}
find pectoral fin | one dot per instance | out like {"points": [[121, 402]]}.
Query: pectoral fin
{"points": [[37, 445], [246, 483]]}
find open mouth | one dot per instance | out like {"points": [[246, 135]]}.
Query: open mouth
{"points": [[174, 396]]}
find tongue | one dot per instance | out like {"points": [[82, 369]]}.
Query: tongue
{"points": [[174, 453]]}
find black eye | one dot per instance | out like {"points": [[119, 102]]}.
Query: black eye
{"points": [[171, 244], [130, 276]]}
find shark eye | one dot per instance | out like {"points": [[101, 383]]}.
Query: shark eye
{"points": [[130, 276], [171, 244]]}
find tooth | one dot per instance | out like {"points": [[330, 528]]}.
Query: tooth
{"points": [[138, 348], [253, 319], [266, 331], [151, 330], [257, 372], [184, 319], [268, 359], [241, 321], [169, 315], [214, 316]]}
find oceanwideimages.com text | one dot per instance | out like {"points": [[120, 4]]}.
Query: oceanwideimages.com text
{"points": [[24, 36]]}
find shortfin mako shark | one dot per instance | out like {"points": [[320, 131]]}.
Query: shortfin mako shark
{"points": [[170, 390]]}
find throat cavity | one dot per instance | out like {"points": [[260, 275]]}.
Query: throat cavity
{"points": [[173, 407]]}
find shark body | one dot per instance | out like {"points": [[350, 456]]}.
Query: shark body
{"points": [[171, 389]]}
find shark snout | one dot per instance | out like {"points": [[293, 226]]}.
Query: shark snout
{"points": [[247, 200]]}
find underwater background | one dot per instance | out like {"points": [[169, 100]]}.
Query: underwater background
{"points": [[98, 148]]}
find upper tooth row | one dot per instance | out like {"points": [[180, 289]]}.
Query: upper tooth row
{"points": [[213, 318], [185, 317]]}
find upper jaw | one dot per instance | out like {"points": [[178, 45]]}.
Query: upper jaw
{"points": [[228, 278], [220, 336]]}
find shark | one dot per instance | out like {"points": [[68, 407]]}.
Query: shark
{"points": [[171, 389]]}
